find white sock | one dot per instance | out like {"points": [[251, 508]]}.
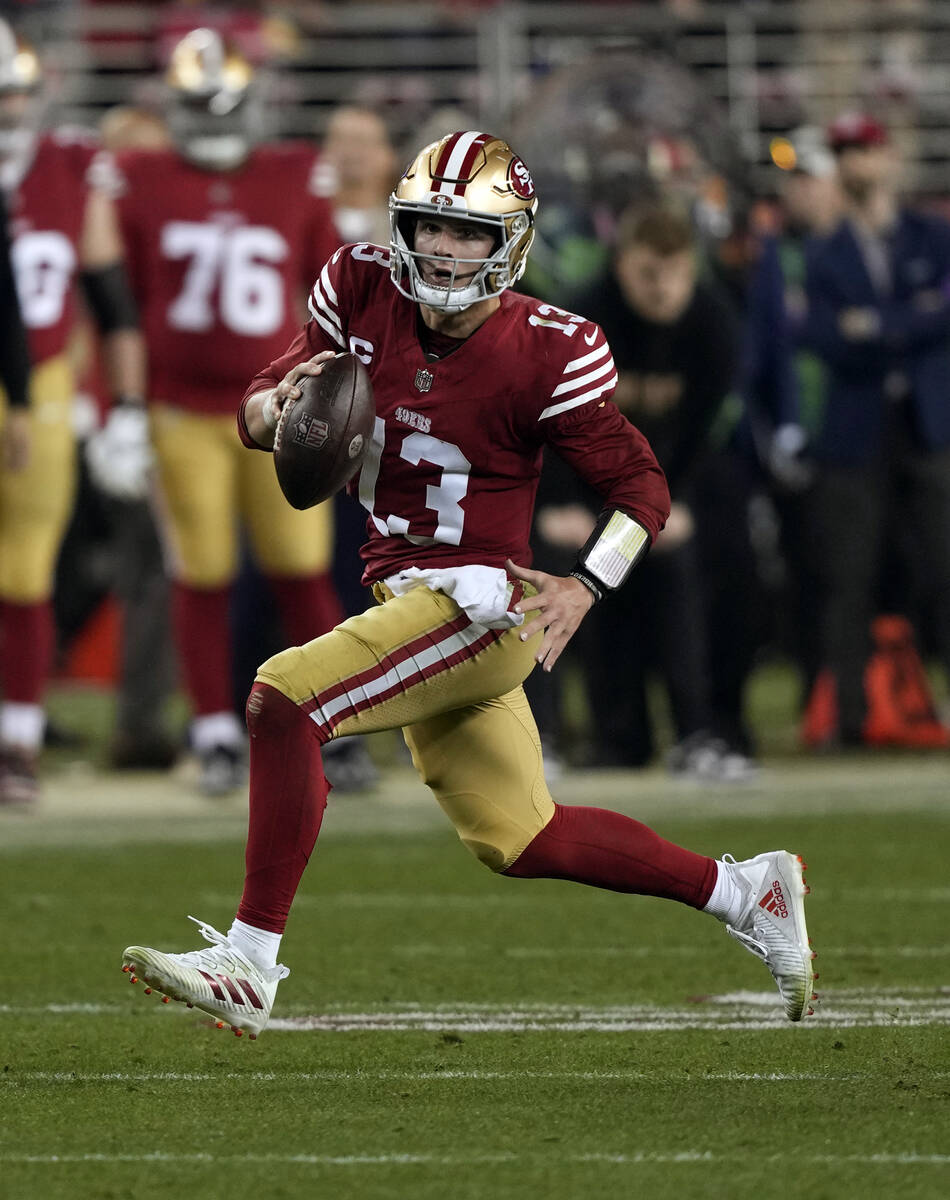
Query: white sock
{"points": [[259, 945], [22, 726], [216, 729], [729, 899]]}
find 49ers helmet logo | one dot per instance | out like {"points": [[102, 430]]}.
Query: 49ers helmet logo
{"points": [[520, 179]]}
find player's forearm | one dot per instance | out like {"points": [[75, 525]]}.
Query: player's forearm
{"points": [[255, 424], [124, 355]]}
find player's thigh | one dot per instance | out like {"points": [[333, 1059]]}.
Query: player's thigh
{"points": [[484, 765], [197, 465], [285, 541], [405, 660], [36, 502]]}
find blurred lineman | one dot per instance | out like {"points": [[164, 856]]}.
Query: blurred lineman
{"points": [[879, 316], [220, 270], [63, 230], [472, 381]]}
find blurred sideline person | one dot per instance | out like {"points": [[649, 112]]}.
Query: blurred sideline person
{"points": [[676, 345], [879, 317], [223, 236], [63, 231], [471, 382], [810, 206], [359, 155]]}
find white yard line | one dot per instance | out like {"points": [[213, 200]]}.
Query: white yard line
{"points": [[740, 1010], [646, 1158], [19, 1078]]}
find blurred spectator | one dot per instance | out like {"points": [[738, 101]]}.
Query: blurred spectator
{"points": [[675, 345], [879, 316], [64, 230], [359, 154], [810, 205], [221, 264]]}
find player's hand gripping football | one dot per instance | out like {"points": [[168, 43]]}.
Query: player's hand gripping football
{"points": [[561, 603], [271, 404]]}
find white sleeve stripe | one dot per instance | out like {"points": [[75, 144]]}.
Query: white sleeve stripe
{"points": [[575, 401], [571, 385], [317, 298], [327, 327], [578, 363], [328, 286]]}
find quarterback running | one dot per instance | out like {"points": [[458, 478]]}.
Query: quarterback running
{"points": [[472, 381]]}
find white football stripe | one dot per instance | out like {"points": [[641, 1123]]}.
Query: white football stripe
{"points": [[327, 327], [401, 673], [578, 364], [571, 385], [320, 301], [553, 409], [456, 158], [328, 286]]}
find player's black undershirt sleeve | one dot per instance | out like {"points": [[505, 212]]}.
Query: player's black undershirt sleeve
{"points": [[14, 351]]}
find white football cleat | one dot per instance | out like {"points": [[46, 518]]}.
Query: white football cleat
{"points": [[773, 924], [219, 980]]}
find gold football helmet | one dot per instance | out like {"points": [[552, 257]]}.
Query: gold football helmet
{"points": [[211, 116], [21, 103], [468, 176]]}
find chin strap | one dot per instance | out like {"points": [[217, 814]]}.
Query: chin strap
{"points": [[611, 552]]}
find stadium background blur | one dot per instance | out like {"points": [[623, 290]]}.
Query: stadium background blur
{"points": [[610, 104]]}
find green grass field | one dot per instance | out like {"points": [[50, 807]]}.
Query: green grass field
{"points": [[446, 1033]]}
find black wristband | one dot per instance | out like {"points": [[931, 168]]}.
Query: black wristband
{"points": [[588, 582]]}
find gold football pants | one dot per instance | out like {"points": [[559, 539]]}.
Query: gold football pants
{"points": [[36, 503], [417, 662], [211, 484]]}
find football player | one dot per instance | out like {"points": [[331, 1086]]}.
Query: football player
{"points": [[472, 381], [63, 230], [221, 269]]}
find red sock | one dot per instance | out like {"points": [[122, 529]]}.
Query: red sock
{"points": [[607, 850], [309, 606], [203, 637], [288, 798], [27, 637]]}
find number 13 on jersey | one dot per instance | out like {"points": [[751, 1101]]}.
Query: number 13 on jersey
{"points": [[442, 499]]}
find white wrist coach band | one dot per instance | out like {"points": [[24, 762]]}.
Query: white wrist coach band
{"points": [[612, 550]]}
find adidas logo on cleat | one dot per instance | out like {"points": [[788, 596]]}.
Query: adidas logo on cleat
{"points": [[774, 901]]}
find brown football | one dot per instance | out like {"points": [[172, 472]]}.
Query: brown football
{"points": [[323, 434]]}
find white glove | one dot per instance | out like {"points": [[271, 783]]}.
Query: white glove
{"points": [[119, 455]]}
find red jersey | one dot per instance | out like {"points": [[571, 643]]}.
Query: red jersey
{"points": [[451, 475], [220, 262], [46, 218]]}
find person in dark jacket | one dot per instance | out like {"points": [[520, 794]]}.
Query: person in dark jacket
{"points": [[878, 293], [675, 343]]}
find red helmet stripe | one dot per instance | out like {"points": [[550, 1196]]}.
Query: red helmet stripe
{"points": [[457, 159]]}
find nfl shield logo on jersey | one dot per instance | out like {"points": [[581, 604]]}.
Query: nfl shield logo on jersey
{"points": [[424, 379]]}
